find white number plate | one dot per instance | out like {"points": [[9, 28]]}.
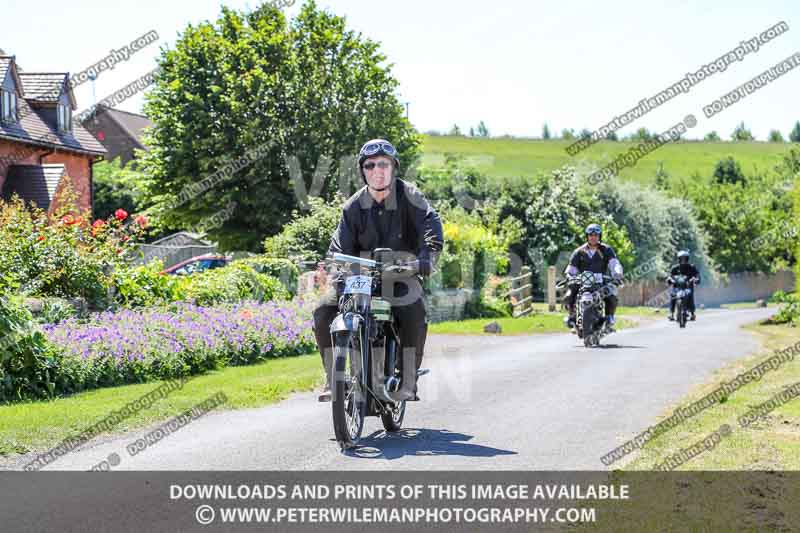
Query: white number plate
{"points": [[358, 285]]}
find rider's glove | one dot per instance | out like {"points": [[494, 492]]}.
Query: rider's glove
{"points": [[425, 267]]}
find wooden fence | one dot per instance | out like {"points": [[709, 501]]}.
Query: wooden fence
{"points": [[521, 293]]}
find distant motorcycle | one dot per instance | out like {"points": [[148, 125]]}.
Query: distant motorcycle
{"points": [[682, 287], [365, 336], [591, 321]]}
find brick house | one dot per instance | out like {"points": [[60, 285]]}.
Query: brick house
{"points": [[120, 132], [41, 147]]}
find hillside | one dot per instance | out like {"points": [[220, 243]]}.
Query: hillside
{"points": [[513, 157]]}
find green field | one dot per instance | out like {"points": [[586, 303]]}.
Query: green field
{"points": [[517, 157]]}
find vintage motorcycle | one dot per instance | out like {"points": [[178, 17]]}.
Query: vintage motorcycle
{"points": [[682, 288], [591, 323], [365, 336]]}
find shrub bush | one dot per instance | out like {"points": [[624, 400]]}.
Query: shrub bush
{"points": [[64, 256], [285, 270], [29, 366], [144, 285], [232, 283]]}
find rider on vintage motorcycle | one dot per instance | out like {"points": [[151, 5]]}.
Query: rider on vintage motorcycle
{"points": [[597, 257], [386, 213], [685, 268]]}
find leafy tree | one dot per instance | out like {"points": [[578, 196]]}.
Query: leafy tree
{"points": [[568, 134], [116, 187], [308, 235], [776, 137], [585, 134], [657, 225], [616, 236], [471, 131], [741, 133], [483, 131], [728, 171], [454, 183], [455, 130], [794, 136], [743, 222], [712, 137], [545, 132], [642, 134], [612, 136], [257, 89]]}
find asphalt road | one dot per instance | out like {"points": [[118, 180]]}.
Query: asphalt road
{"points": [[539, 402]]}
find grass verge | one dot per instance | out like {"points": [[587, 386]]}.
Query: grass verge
{"points": [[37, 425], [541, 322], [771, 443], [736, 484]]}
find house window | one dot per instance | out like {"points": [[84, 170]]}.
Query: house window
{"points": [[8, 107], [64, 118]]}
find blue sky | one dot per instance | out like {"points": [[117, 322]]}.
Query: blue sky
{"points": [[514, 64]]}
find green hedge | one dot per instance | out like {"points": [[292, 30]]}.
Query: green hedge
{"points": [[285, 270], [232, 283]]}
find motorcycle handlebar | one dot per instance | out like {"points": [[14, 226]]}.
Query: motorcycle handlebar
{"points": [[410, 267], [569, 280]]}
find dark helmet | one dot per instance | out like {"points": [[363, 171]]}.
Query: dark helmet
{"points": [[373, 148], [594, 228], [683, 256]]}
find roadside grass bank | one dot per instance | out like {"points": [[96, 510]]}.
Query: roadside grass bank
{"points": [[542, 321], [37, 425], [771, 442]]}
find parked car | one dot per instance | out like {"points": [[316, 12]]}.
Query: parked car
{"points": [[198, 264]]}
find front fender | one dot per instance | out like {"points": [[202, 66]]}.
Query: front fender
{"points": [[346, 322]]}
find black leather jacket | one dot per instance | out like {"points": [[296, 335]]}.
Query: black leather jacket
{"points": [[688, 270], [404, 221]]}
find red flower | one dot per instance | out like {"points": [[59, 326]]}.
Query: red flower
{"points": [[97, 226], [79, 220], [40, 238], [68, 220], [120, 214], [125, 238], [141, 220]]}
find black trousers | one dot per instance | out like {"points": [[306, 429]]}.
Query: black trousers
{"points": [[407, 305], [689, 303], [572, 294]]}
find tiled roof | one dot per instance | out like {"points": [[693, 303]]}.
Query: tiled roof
{"points": [[33, 183], [43, 87], [5, 64], [40, 127], [130, 122]]}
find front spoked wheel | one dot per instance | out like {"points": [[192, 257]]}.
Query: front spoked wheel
{"points": [[349, 399], [587, 324]]}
